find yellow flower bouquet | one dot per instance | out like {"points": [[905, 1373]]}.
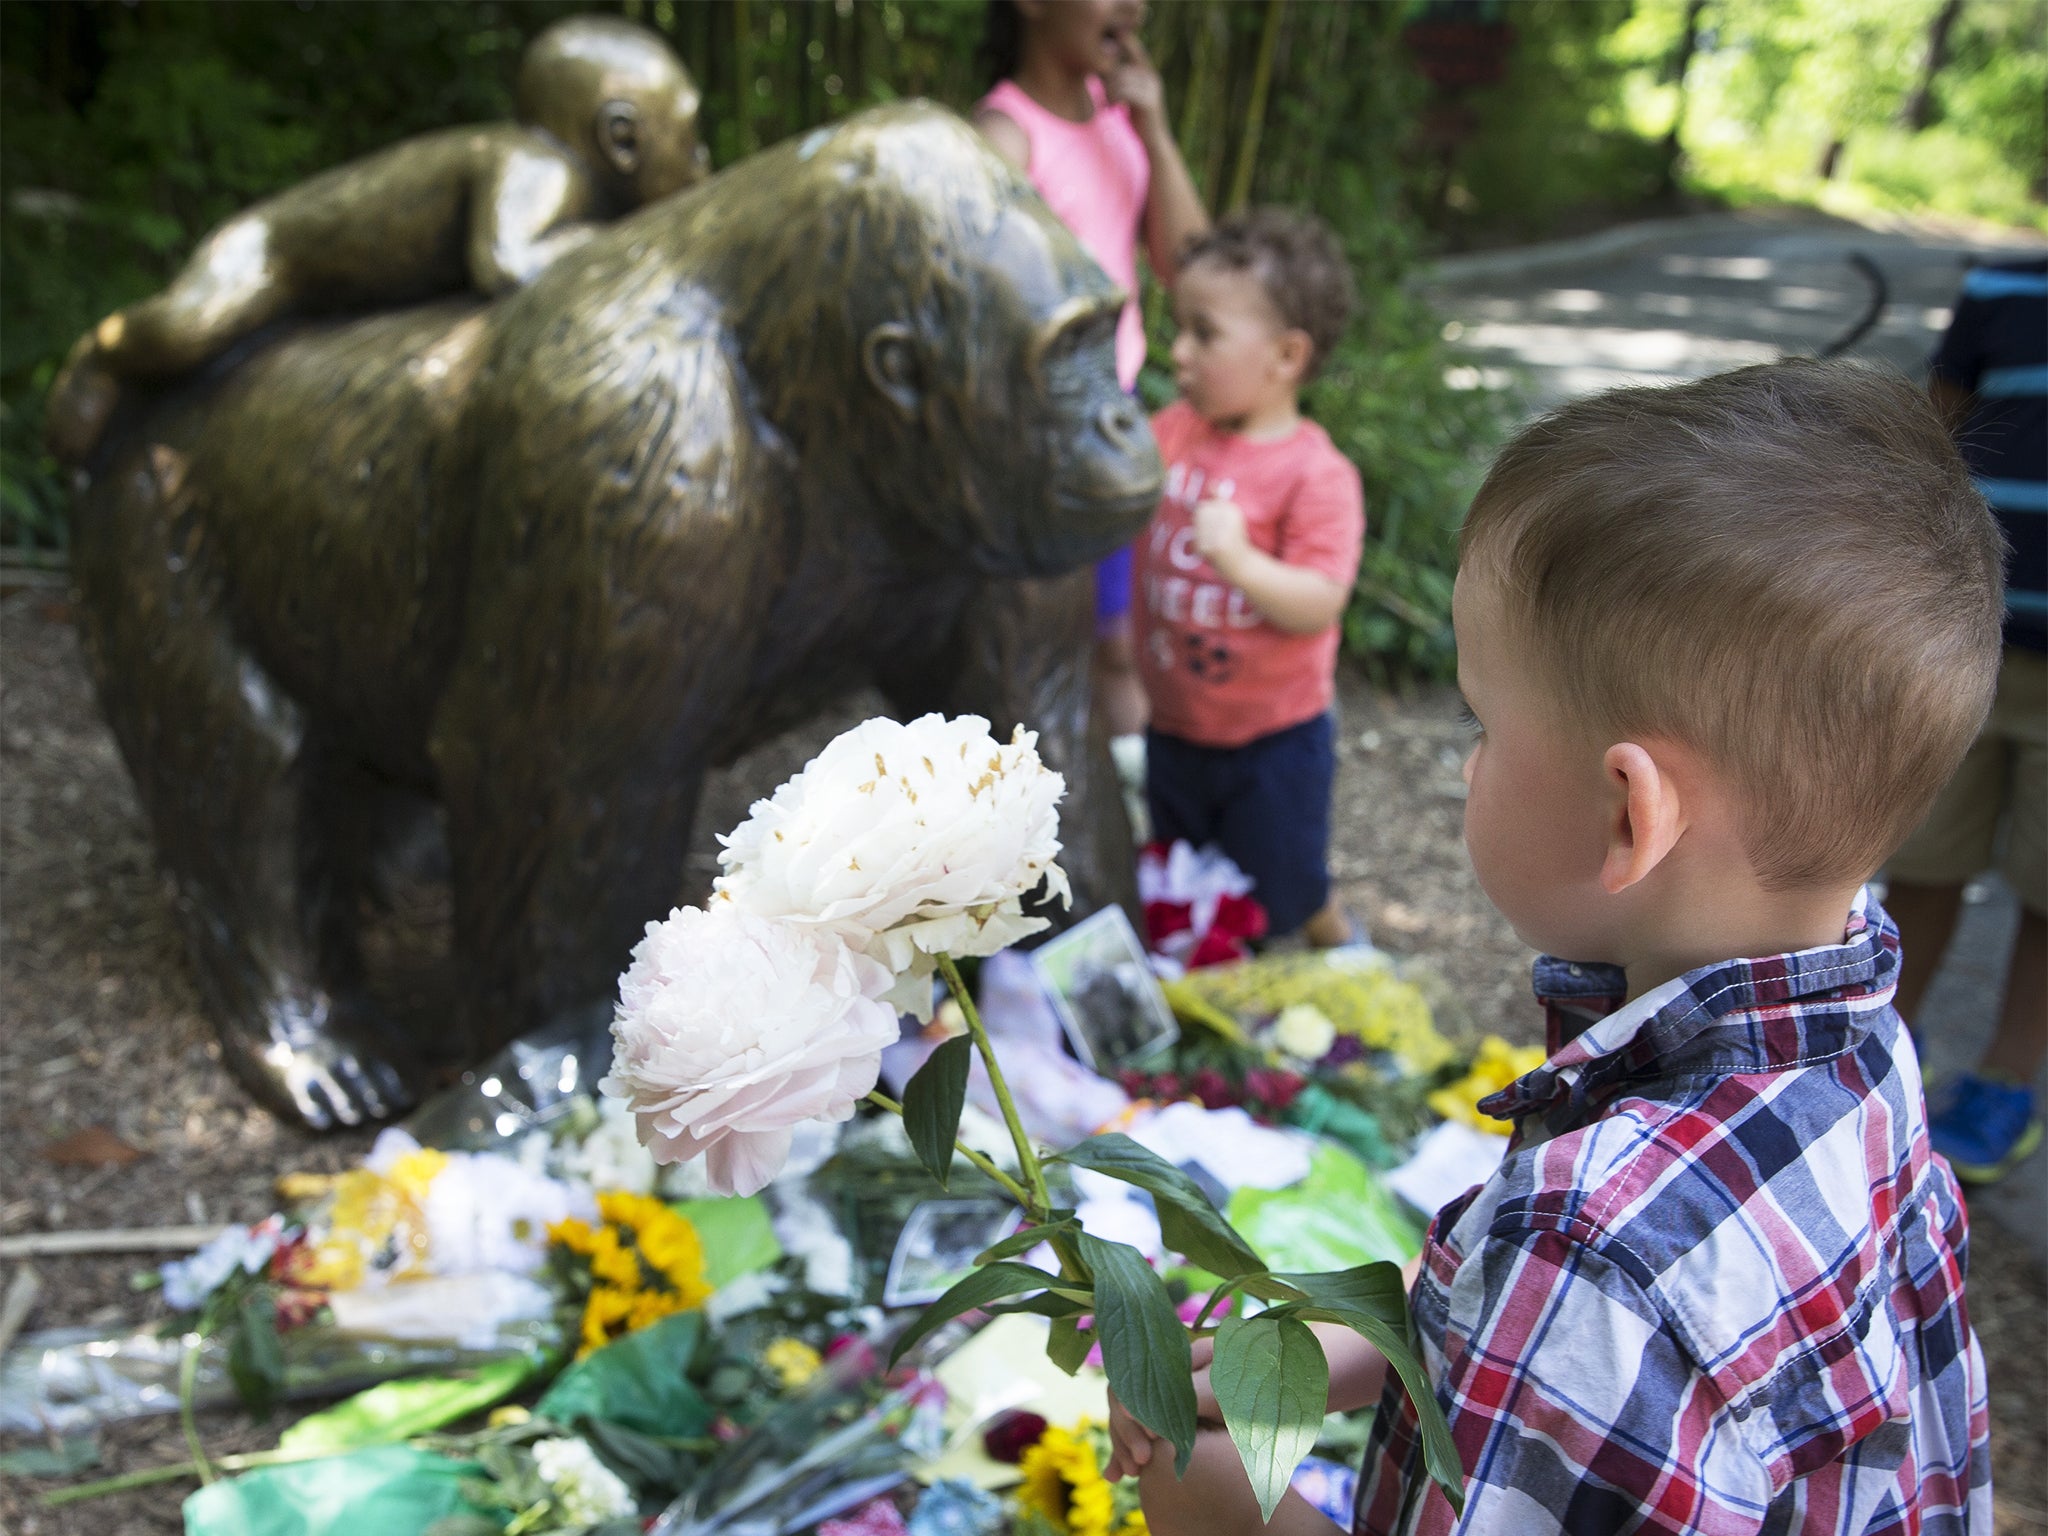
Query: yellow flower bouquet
{"points": [[641, 1262]]}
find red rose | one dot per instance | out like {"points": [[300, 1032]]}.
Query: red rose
{"points": [[1011, 1435]]}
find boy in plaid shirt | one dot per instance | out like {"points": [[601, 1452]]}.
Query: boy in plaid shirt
{"points": [[1722, 643]]}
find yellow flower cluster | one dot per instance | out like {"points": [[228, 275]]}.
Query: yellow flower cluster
{"points": [[646, 1263], [1496, 1065], [360, 1224], [791, 1362], [1064, 1485], [1367, 1001]]}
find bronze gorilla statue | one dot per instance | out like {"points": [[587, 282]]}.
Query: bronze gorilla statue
{"points": [[845, 412]]}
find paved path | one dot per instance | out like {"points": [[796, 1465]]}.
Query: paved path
{"points": [[1681, 298]]}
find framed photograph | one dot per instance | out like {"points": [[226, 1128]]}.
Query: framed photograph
{"points": [[939, 1245], [1101, 985]]}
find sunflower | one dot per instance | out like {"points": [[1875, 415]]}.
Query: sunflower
{"points": [[1064, 1485], [645, 1263]]}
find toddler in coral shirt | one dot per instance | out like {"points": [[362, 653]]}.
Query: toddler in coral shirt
{"points": [[1245, 572]]}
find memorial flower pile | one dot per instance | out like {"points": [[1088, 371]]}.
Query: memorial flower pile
{"points": [[1495, 1065], [896, 851]]}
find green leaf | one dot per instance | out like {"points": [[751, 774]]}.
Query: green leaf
{"points": [[1377, 1289], [1188, 1222], [1070, 1342], [932, 1101], [991, 1282], [641, 1381], [736, 1233], [1272, 1382], [255, 1358], [1439, 1450], [1024, 1240], [1049, 1304], [398, 1410], [1144, 1346]]}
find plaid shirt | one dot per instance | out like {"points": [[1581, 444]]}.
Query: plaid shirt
{"points": [[1716, 1284]]}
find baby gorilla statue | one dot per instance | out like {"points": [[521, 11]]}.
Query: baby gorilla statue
{"points": [[607, 120]]}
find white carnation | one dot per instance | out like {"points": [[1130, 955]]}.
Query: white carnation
{"points": [[731, 1030], [587, 1492], [1304, 1032], [909, 841]]}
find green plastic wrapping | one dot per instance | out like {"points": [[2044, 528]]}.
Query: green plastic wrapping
{"points": [[737, 1235], [1337, 1217], [640, 1381], [1321, 1113], [398, 1410], [390, 1490]]}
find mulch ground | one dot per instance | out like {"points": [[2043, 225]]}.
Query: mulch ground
{"points": [[102, 1029]]}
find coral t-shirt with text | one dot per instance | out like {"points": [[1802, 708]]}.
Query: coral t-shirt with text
{"points": [[1216, 672]]}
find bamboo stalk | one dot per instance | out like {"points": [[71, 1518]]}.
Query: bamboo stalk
{"points": [[1255, 112]]}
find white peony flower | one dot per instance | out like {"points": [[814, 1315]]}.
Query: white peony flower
{"points": [[587, 1492], [731, 1030], [1304, 1032], [908, 841]]}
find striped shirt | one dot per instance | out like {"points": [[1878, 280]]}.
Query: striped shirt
{"points": [[1717, 1282], [1996, 351]]}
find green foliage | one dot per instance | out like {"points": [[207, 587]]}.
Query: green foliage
{"points": [[1805, 99], [1272, 1381], [932, 1102]]}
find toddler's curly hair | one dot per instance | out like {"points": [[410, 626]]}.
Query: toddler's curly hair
{"points": [[1297, 260]]}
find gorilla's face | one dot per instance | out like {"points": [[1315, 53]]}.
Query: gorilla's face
{"points": [[1035, 450]]}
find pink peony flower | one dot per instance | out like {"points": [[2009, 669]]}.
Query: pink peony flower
{"points": [[732, 1029]]}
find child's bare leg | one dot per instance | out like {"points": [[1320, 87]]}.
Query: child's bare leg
{"points": [[229, 288], [1215, 1498], [1119, 690], [1331, 925]]}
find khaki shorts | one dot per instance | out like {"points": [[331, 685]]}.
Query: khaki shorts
{"points": [[2006, 769]]}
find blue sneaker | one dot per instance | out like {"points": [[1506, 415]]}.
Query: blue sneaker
{"points": [[1985, 1127]]}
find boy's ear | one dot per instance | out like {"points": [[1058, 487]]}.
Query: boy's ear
{"points": [[1295, 352], [1646, 818]]}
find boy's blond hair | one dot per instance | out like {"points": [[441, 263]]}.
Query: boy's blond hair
{"points": [[1785, 568]]}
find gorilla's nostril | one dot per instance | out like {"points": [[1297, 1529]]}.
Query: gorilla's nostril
{"points": [[1119, 422]]}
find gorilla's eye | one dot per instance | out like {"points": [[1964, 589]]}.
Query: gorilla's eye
{"points": [[1074, 347]]}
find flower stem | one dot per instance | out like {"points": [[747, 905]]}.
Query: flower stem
{"points": [[170, 1473], [188, 1378], [1027, 1159], [1010, 1186]]}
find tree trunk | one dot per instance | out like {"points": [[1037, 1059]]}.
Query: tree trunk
{"points": [[1680, 64], [1918, 111], [1255, 112], [743, 77]]}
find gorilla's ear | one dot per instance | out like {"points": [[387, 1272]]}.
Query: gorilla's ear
{"points": [[894, 368], [618, 136]]}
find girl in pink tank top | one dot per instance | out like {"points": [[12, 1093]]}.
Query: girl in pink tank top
{"points": [[1077, 107]]}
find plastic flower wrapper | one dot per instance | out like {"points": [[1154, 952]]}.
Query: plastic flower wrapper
{"points": [[1198, 905], [732, 1030], [829, 1449], [908, 841]]}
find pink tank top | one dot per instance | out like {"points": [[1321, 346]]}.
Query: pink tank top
{"points": [[1096, 177]]}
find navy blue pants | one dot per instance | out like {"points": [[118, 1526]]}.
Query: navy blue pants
{"points": [[1266, 804]]}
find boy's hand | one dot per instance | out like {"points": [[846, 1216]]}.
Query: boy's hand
{"points": [[1220, 535], [1132, 1444], [1134, 83]]}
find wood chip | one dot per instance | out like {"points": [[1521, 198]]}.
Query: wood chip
{"points": [[113, 1240]]}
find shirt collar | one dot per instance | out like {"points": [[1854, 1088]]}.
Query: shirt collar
{"points": [[1738, 1016]]}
